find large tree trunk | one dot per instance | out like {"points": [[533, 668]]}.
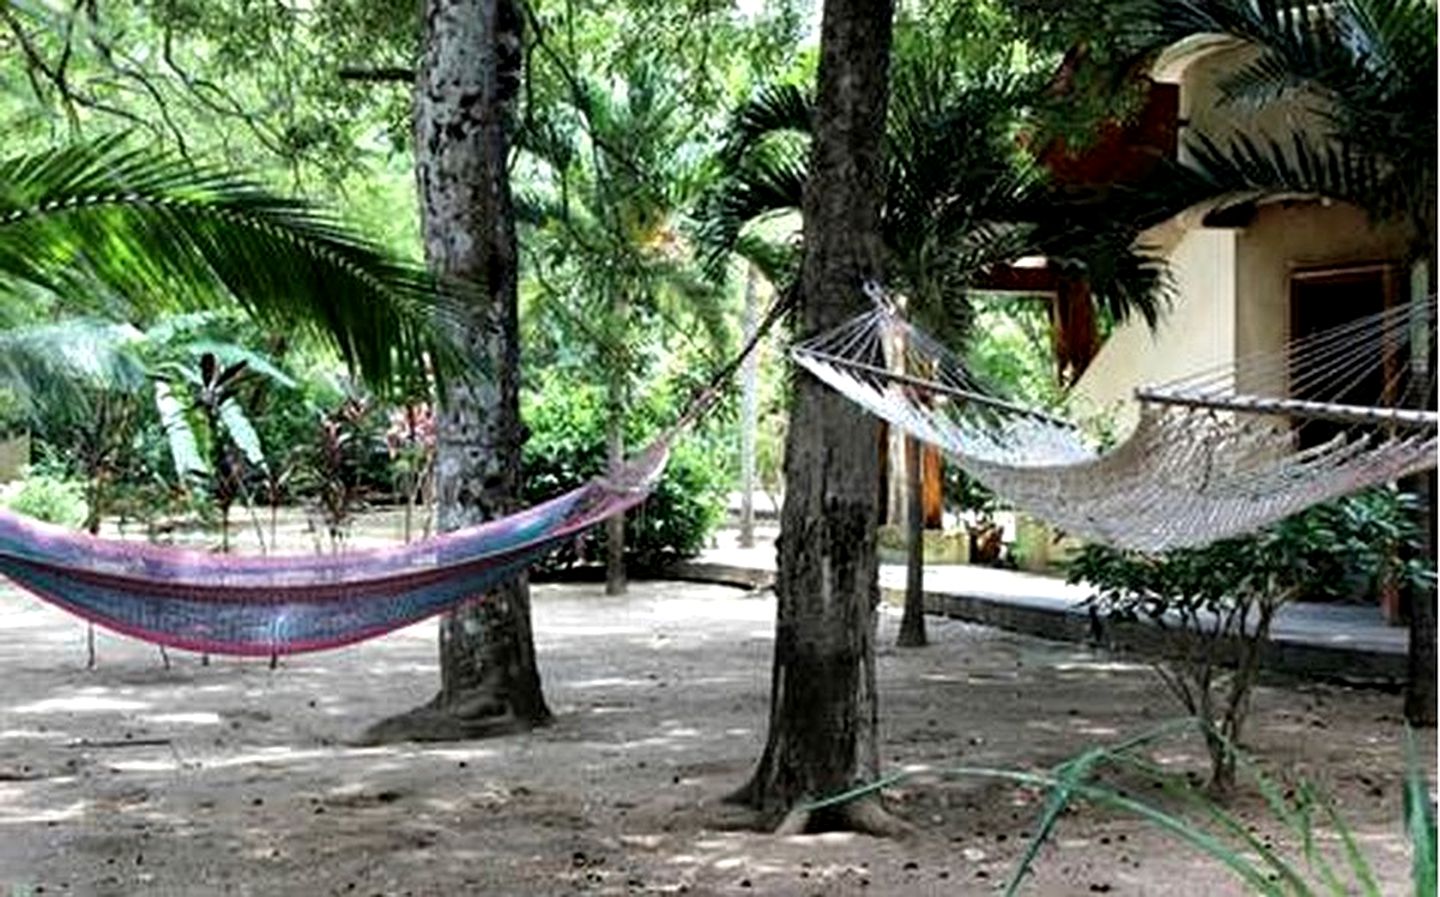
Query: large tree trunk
{"points": [[823, 713], [912, 622], [468, 78], [749, 415]]}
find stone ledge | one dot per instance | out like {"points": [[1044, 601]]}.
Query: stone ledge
{"points": [[1282, 654], [1065, 621]]}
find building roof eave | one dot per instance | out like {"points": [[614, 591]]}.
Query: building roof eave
{"points": [[1171, 64]]}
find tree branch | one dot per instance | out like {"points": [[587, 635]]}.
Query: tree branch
{"points": [[383, 74], [578, 96]]}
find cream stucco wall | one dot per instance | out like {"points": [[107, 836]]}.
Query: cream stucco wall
{"points": [[1293, 236], [1197, 333], [1231, 298], [1232, 287]]}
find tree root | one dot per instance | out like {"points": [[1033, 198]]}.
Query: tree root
{"points": [[909, 638], [471, 717], [744, 796], [866, 816]]}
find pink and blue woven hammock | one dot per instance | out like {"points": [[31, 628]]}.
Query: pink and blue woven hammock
{"points": [[261, 606]]}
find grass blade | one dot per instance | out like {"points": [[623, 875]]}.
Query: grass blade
{"points": [[1069, 773], [1419, 821], [1361, 867]]}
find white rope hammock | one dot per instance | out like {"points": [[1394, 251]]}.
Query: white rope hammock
{"points": [[1214, 455]]}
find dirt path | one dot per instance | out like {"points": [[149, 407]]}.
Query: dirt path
{"points": [[661, 700]]}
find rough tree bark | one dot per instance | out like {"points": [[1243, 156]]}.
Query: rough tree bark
{"points": [[1421, 694], [468, 79], [912, 622], [822, 733]]}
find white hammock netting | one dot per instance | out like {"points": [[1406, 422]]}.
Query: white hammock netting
{"points": [[1220, 453]]}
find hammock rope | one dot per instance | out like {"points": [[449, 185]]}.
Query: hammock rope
{"points": [[1215, 454], [278, 605]]}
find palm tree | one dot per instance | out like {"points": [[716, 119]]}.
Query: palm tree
{"points": [[1366, 70], [961, 197], [605, 204]]}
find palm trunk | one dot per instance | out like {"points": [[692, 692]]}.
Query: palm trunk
{"points": [[616, 407], [468, 78], [614, 457], [92, 526], [912, 623], [823, 712], [1421, 694], [749, 413]]}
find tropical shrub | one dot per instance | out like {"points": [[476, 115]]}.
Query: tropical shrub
{"points": [[332, 468], [1361, 543], [1219, 601], [54, 499], [567, 447]]}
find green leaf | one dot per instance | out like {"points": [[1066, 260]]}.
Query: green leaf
{"points": [[184, 452], [238, 427], [231, 354]]}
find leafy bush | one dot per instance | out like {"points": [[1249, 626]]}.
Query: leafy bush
{"points": [[1220, 600], [1357, 545], [14, 419], [567, 447], [49, 498]]}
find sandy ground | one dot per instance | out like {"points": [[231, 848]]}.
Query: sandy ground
{"points": [[660, 699]]}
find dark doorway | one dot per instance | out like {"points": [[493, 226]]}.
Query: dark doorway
{"points": [[1324, 300]]}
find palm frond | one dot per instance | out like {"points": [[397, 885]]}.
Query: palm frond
{"points": [[1302, 33], [960, 197], [1098, 238], [1248, 167], [54, 366], [774, 109], [168, 235], [777, 261], [769, 181], [1367, 66], [1124, 279]]}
